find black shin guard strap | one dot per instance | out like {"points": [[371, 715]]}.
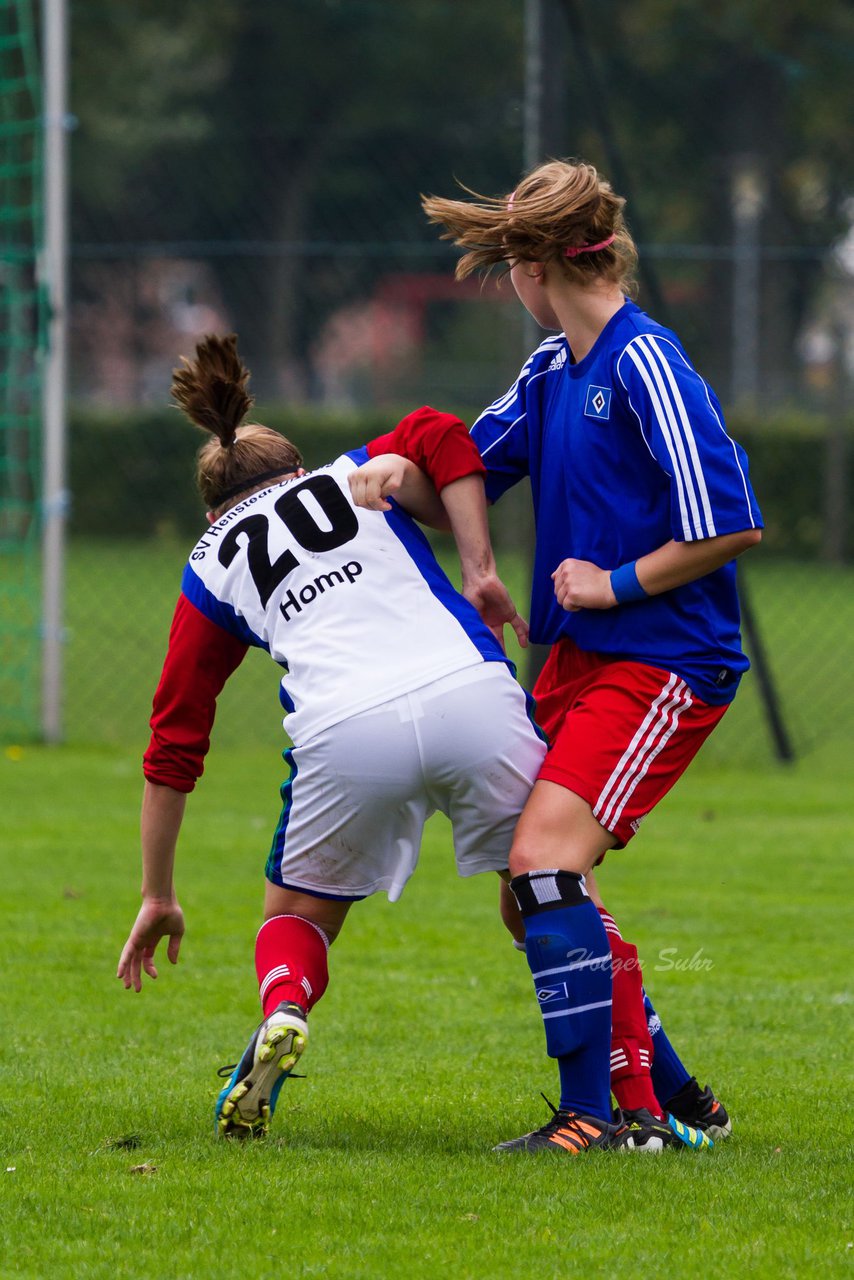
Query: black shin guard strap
{"points": [[537, 891]]}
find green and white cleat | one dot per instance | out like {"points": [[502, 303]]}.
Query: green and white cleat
{"points": [[246, 1104]]}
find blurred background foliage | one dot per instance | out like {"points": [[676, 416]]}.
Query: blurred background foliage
{"points": [[277, 151], [256, 167]]}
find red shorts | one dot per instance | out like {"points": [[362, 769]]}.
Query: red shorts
{"points": [[620, 733]]}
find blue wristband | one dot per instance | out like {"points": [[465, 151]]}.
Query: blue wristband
{"points": [[625, 585]]}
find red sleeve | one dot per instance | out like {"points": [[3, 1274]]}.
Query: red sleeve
{"points": [[436, 442], [200, 658]]}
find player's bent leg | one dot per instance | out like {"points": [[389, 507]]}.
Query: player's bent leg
{"points": [[648, 1078], [354, 807], [632, 1051], [511, 916], [679, 1092], [327, 914], [631, 1046], [556, 841], [290, 960], [557, 829]]}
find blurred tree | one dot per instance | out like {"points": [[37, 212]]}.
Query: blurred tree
{"points": [[340, 113], [142, 79], [284, 132], [294, 125], [699, 92]]}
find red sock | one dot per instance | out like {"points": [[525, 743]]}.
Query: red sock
{"points": [[290, 960], [631, 1043]]}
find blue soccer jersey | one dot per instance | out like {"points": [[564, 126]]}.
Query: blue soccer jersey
{"points": [[627, 450]]}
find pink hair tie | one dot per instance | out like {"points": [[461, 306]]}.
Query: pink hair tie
{"points": [[588, 248]]}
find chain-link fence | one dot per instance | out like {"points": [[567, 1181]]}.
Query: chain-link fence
{"points": [[21, 330], [257, 168]]}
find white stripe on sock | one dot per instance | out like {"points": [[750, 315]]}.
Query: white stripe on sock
{"points": [[281, 971], [581, 1008], [577, 964]]}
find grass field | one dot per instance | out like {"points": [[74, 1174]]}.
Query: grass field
{"points": [[426, 1050]]}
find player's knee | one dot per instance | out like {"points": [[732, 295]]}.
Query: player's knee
{"points": [[523, 858], [529, 855]]}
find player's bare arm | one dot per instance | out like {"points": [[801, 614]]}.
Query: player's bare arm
{"points": [[390, 475], [160, 915], [579, 584], [465, 503]]}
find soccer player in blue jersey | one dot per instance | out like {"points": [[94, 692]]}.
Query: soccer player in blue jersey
{"points": [[642, 503]]}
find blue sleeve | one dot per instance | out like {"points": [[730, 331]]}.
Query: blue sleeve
{"points": [[501, 433], [682, 424]]}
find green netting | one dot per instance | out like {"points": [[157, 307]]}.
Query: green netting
{"points": [[22, 334]]}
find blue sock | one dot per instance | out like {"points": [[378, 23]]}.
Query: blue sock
{"points": [[570, 960], [668, 1073]]}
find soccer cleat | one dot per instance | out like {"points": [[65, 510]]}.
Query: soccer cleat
{"points": [[246, 1104], [654, 1135], [572, 1133], [700, 1108]]}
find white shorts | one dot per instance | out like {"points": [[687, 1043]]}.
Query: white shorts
{"points": [[359, 793]]}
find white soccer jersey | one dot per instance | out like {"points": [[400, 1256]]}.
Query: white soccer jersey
{"points": [[351, 603]]}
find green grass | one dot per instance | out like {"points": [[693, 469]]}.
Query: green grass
{"points": [[426, 1050]]}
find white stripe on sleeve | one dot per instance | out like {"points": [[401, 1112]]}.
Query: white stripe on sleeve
{"points": [[690, 519], [688, 433]]}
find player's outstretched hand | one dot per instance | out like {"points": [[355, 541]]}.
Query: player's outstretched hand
{"points": [[374, 480], [156, 920], [580, 584], [492, 600]]}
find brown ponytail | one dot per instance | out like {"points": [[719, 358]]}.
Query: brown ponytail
{"points": [[211, 391]]}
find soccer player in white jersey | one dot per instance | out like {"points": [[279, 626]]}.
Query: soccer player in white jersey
{"points": [[399, 699], [642, 503]]}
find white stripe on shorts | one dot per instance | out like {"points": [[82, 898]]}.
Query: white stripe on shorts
{"points": [[658, 726]]}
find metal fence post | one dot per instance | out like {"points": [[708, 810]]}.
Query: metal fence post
{"points": [[55, 274]]}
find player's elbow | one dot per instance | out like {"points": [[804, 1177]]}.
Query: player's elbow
{"points": [[750, 538], [738, 543]]}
